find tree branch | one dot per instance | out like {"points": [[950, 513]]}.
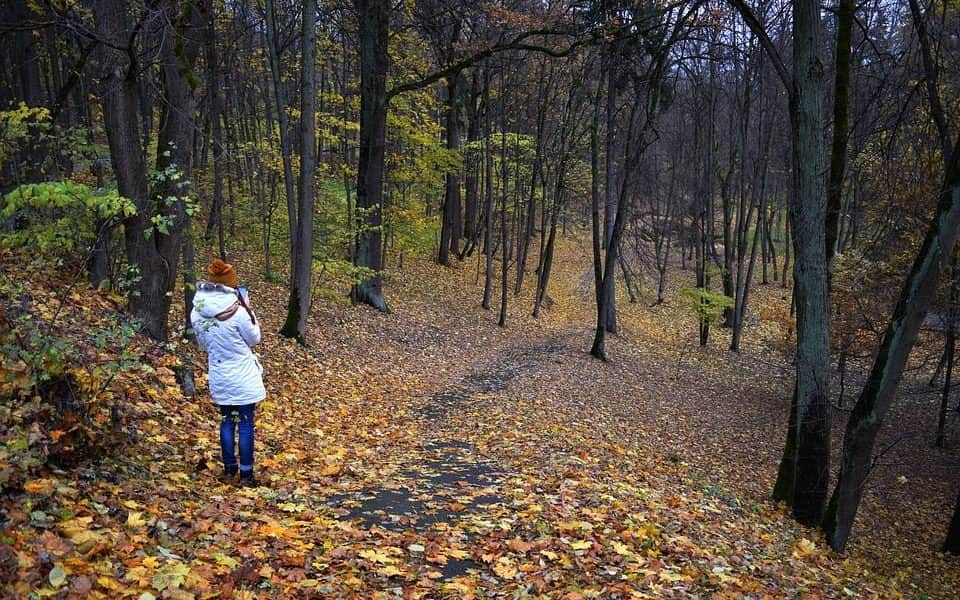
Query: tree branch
{"points": [[748, 16]]}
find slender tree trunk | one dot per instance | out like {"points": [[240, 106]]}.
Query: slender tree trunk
{"points": [[951, 343], [598, 349], [488, 194], [298, 305], [471, 175], [901, 333], [841, 128], [546, 264], [613, 244], [504, 236], [215, 221], [787, 245], [280, 104], [729, 245], [610, 198]]}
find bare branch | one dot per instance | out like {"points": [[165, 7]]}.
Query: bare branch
{"points": [[757, 28]]}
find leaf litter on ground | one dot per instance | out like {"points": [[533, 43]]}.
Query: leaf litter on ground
{"points": [[428, 453]]}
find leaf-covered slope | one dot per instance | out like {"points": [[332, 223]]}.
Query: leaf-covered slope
{"points": [[428, 454]]}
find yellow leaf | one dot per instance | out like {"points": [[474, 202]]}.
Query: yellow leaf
{"points": [[332, 470], [671, 577], [377, 556], [390, 571], [223, 559], [109, 583], [622, 549], [135, 519], [581, 544], [505, 569], [804, 548]]}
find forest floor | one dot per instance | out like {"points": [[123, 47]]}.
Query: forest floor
{"points": [[428, 453]]}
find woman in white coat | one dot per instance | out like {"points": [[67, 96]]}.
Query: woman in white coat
{"points": [[226, 328]]}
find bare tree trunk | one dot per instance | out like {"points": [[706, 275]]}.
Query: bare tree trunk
{"points": [[610, 197], [875, 399], [374, 62], [951, 343], [810, 273], [841, 128], [898, 340], [488, 193], [298, 305], [471, 168], [215, 221], [952, 543], [451, 226], [160, 212], [504, 237], [280, 104], [598, 350]]}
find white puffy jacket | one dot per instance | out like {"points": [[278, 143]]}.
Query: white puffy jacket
{"points": [[226, 331]]}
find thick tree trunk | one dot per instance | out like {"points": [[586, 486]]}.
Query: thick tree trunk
{"points": [[952, 543], [374, 62], [450, 233], [807, 215], [161, 211]]}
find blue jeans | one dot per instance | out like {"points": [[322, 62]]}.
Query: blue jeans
{"points": [[237, 418]]}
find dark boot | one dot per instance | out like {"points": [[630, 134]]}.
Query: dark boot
{"points": [[230, 473], [248, 480]]}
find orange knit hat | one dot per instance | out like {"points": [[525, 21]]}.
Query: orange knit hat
{"points": [[221, 272]]}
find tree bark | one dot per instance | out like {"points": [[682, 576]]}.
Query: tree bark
{"points": [[898, 340], [488, 194], [298, 305], [450, 233], [215, 221], [952, 543], [160, 211], [807, 217], [841, 128], [610, 197], [280, 104], [374, 62]]}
